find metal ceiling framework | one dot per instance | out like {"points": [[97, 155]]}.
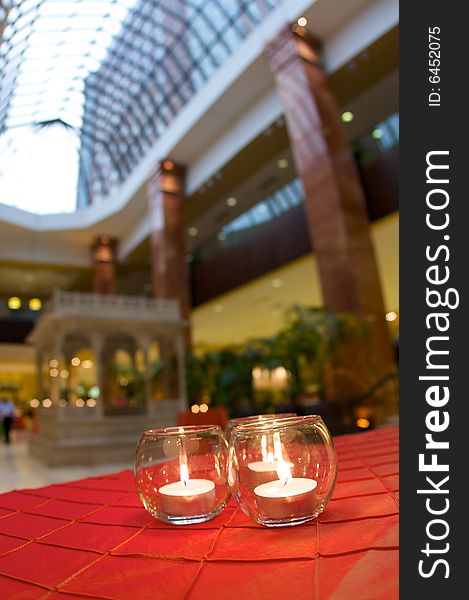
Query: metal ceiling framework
{"points": [[114, 72]]}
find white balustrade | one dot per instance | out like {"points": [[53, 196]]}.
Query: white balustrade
{"points": [[114, 306]]}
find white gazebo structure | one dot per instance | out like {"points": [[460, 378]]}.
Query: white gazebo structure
{"points": [[108, 367]]}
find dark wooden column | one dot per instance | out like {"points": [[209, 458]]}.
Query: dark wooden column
{"points": [[334, 199], [104, 265], [168, 235]]}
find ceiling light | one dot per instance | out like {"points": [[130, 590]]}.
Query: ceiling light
{"points": [[35, 304], [377, 133], [391, 316], [64, 373], [53, 363], [87, 364], [195, 408], [203, 408], [193, 231], [282, 163], [53, 372], [75, 361], [347, 116], [232, 201], [47, 403], [79, 402], [302, 21], [363, 423], [14, 303], [34, 403]]}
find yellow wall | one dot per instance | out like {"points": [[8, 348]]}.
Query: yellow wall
{"points": [[17, 369], [257, 308]]}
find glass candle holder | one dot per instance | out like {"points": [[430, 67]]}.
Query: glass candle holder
{"points": [[253, 419], [282, 472], [181, 473]]}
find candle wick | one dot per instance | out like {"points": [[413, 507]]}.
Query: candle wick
{"points": [[285, 482]]}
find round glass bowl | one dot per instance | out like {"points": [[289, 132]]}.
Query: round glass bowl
{"points": [[254, 419], [181, 473], [282, 472]]}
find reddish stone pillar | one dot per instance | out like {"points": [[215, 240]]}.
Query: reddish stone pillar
{"points": [[168, 236], [104, 265], [334, 199]]}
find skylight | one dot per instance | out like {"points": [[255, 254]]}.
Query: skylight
{"points": [[49, 48], [86, 87]]}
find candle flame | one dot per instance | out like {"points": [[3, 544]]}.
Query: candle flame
{"points": [[183, 470], [281, 466]]}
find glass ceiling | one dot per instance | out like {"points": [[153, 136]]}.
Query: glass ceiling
{"points": [[86, 87]]}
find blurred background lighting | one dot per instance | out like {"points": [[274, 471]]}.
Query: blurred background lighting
{"points": [[14, 303], [282, 163], [35, 304]]}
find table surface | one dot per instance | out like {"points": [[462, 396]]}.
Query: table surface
{"points": [[93, 539]]}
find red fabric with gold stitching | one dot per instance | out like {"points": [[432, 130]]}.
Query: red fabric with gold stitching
{"points": [[93, 539]]}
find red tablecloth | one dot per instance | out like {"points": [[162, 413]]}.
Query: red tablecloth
{"points": [[93, 539]]}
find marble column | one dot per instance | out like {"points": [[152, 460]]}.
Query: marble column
{"points": [[104, 265], [39, 382], [335, 206], [54, 370], [145, 346], [97, 343], [168, 236]]}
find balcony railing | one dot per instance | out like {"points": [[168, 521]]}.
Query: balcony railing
{"points": [[74, 304]]}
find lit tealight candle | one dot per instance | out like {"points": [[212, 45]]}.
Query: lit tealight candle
{"points": [[187, 497], [286, 497]]}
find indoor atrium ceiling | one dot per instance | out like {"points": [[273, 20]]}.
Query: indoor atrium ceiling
{"points": [[91, 85]]}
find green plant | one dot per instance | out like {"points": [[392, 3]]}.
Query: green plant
{"points": [[315, 345]]}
